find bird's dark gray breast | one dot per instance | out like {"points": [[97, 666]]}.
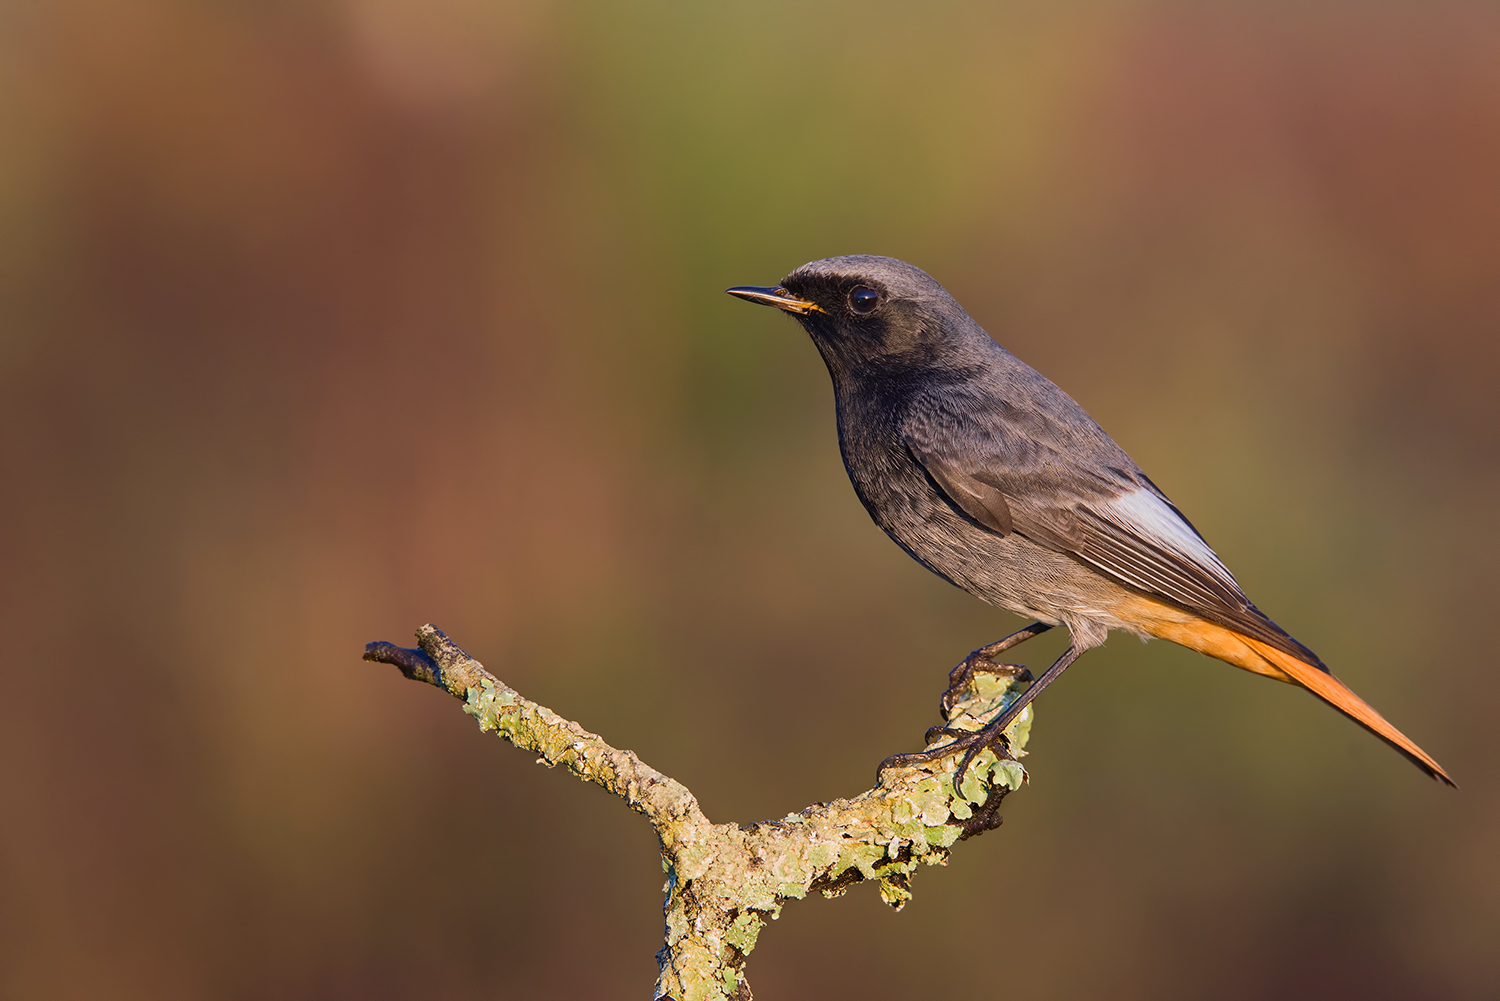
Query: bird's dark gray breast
{"points": [[883, 471], [897, 492]]}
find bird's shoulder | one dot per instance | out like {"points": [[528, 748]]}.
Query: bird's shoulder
{"points": [[1018, 430]]}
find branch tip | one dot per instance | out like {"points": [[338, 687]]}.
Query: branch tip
{"points": [[415, 664]]}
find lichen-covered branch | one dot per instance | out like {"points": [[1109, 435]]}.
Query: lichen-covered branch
{"points": [[724, 881]]}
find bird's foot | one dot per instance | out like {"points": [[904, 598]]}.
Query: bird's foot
{"points": [[978, 714], [968, 742], [961, 678]]}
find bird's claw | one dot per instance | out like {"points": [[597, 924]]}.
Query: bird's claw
{"points": [[962, 675], [934, 732], [972, 742]]}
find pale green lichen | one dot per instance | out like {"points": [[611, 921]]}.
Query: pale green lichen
{"points": [[894, 894], [882, 835], [942, 837], [484, 703], [744, 930]]}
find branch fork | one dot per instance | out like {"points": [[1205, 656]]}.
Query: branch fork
{"points": [[724, 881]]}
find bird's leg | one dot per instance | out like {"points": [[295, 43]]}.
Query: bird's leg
{"points": [[982, 660], [992, 734]]}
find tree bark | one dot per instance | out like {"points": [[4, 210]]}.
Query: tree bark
{"points": [[724, 881]]}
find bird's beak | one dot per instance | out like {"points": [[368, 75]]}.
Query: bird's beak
{"points": [[778, 297]]}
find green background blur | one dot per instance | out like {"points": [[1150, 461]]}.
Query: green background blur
{"points": [[322, 320]]}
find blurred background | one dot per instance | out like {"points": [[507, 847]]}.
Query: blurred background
{"points": [[323, 320]]}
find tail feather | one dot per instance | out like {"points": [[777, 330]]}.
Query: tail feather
{"points": [[1242, 651], [1333, 691]]}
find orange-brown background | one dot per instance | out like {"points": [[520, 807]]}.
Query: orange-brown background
{"points": [[321, 320]]}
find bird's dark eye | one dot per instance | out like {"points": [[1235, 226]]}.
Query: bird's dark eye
{"points": [[862, 298]]}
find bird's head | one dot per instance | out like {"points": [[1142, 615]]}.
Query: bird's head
{"points": [[867, 312]]}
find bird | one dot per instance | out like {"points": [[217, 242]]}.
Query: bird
{"points": [[995, 479]]}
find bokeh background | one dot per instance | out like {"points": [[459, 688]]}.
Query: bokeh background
{"points": [[322, 320]]}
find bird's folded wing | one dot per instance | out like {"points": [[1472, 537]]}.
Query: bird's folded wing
{"points": [[979, 500], [1105, 513]]}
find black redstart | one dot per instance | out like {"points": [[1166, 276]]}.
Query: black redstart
{"points": [[996, 480]]}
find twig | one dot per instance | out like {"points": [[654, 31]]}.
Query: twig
{"points": [[724, 881]]}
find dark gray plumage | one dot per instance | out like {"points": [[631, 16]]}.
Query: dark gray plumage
{"points": [[991, 476]]}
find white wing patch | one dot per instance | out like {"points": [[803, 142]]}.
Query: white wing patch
{"points": [[1147, 515]]}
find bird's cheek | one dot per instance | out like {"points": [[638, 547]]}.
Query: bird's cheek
{"points": [[898, 340]]}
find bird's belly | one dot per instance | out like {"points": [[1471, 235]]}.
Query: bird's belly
{"points": [[1010, 571]]}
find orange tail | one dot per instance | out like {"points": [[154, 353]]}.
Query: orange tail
{"points": [[1331, 690], [1253, 655]]}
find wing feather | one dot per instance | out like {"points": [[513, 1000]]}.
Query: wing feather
{"points": [[1080, 494]]}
